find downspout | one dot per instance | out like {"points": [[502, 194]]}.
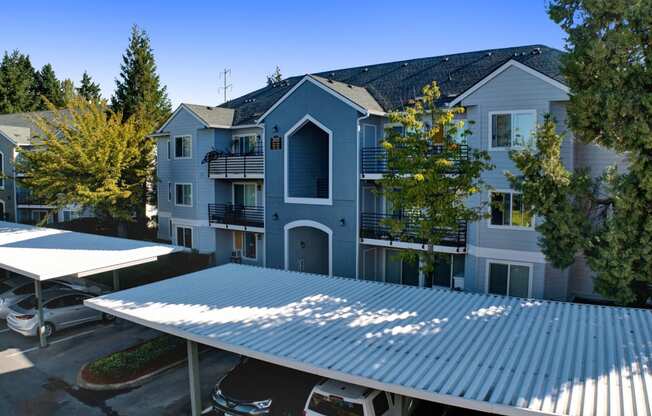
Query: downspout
{"points": [[357, 194], [264, 144]]}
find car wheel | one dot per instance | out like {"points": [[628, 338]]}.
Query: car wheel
{"points": [[48, 329], [108, 318]]}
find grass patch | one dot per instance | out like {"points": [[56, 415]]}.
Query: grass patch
{"points": [[136, 361]]}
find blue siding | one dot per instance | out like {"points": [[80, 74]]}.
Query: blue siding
{"points": [[307, 160], [341, 120]]}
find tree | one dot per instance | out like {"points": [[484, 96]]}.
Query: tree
{"points": [[87, 155], [275, 76], [88, 89], [48, 88], [17, 83], [430, 180], [68, 88], [139, 87], [607, 219]]}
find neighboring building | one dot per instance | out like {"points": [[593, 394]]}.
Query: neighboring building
{"points": [[16, 202], [284, 177]]}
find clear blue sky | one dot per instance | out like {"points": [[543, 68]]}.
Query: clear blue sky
{"points": [[194, 40]]}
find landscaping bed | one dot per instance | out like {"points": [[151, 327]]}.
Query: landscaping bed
{"points": [[135, 362]]}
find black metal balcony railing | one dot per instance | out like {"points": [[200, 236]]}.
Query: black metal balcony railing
{"points": [[374, 159], [26, 198], [236, 214], [373, 226], [238, 164]]}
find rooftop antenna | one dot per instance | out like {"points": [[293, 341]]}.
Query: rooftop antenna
{"points": [[226, 78]]}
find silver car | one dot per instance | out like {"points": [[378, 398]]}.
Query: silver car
{"points": [[15, 289], [62, 308]]}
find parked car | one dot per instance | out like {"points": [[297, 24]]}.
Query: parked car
{"points": [[336, 398], [15, 289], [62, 308], [255, 387]]}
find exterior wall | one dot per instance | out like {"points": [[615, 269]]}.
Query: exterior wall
{"points": [[186, 171], [7, 193], [341, 120], [514, 89], [307, 160]]}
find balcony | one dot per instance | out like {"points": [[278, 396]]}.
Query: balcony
{"points": [[236, 165], [26, 198], [372, 227], [373, 162], [236, 216]]}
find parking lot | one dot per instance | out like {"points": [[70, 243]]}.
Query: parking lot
{"points": [[36, 381]]}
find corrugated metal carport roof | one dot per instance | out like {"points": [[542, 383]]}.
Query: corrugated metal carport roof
{"points": [[498, 354], [47, 253]]}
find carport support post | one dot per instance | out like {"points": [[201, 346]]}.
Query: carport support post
{"points": [[39, 312], [193, 372], [116, 280]]}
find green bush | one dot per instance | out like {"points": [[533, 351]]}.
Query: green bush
{"points": [[135, 359]]}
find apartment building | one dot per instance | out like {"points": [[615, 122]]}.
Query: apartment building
{"points": [[287, 176], [16, 202]]}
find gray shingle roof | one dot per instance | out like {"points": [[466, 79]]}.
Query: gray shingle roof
{"points": [[393, 84], [24, 120], [212, 116], [18, 135], [358, 95]]}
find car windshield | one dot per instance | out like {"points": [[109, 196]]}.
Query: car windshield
{"points": [[334, 406], [28, 303]]}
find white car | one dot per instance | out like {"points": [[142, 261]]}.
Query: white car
{"points": [[335, 398]]}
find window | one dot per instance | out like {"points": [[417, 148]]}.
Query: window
{"points": [[508, 210], [244, 244], [167, 142], [380, 404], [184, 236], [399, 270], [39, 215], [244, 194], [69, 215], [169, 191], [2, 171], [509, 279], [334, 406], [245, 144], [446, 268], [183, 194], [183, 147], [511, 129]]}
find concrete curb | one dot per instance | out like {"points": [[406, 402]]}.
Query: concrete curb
{"points": [[124, 385]]}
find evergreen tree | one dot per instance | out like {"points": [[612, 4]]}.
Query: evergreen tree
{"points": [[17, 83], [139, 86], [88, 89], [608, 220], [275, 76], [68, 88], [48, 88], [430, 178]]}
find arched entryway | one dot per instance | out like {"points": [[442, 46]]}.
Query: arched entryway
{"points": [[308, 247]]}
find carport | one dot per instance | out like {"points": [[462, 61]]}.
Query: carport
{"points": [[45, 253], [503, 355]]}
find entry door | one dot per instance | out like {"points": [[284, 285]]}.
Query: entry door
{"points": [[369, 259], [369, 135]]}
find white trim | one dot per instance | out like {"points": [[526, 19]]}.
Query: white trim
{"points": [[237, 176], [501, 69], [34, 206], [182, 136], [299, 200], [371, 176], [181, 106], [164, 214], [507, 255], [233, 227], [511, 113], [2, 171], [411, 246], [189, 222], [160, 131], [175, 195], [312, 224], [530, 266], [308, 78], [511, 193], [359, 136]]}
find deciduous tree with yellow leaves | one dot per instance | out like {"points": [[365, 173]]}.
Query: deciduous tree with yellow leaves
{"points": [[433, 180]]}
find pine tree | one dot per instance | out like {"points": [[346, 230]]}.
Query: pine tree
{"points": [[68, 88], [275, 76], [88, 89], [139, 86], [48, 88], [17, 83]]}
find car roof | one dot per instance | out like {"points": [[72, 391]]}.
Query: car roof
{"points": [[345, 390]]}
